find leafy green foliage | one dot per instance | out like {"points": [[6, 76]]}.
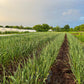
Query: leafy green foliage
{"points": [[41, 28], [1, 26], [28, 28], [77, 58], [21, 45], [37, 70], [57, 29], [81, 27], [67, 28], [77, 28], [46, 27], [71, 29]]}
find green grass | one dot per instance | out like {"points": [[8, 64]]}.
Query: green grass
{"points": [[80, 37]]}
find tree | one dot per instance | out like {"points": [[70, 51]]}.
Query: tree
{"points": [[41, 28], [1, 26], [57, 29], [15, 26], [51, 27], [62, 29], [77, 28], [67, 27], [71, 29], [28, 28], [7, 26], [21, 27], [81, 27], [38, 28], [45, 27]]}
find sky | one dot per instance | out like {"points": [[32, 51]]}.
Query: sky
{"points": [[32, 12]]}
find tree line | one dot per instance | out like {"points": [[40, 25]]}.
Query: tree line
{"points": [[18, 27], [66, 28], [46, 27]]}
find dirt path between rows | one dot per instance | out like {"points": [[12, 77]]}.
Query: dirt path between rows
{"points": [[61, 71]]}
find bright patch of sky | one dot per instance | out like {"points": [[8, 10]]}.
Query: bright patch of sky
{"points": [[81, 18], [32, 12]]}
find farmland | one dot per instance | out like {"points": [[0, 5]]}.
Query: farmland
{"points": [[42, 58], [79, 35]]}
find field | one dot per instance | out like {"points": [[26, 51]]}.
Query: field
{"points": [[80, 36], [42, 58]]}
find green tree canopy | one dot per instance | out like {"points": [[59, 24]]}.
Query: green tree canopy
{"points": [[77, 28], [71, 29], [7, 26], [81, 27], [67, 27], [21, 27], [41, 28], [13, 26], [62, 29], [57, 29], [51, 27], [1, 26], [28, 28]]}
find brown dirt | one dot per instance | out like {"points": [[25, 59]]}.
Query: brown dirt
{"points": [[61, 71], [1, 72]]}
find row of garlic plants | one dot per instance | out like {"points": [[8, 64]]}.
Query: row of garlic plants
{"points": [[36, 70], [21, 45], [77, 58]]}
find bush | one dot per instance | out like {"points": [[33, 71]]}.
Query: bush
{"points": [[1, 26]]}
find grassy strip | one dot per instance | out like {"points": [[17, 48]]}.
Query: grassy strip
{"points": [[77, 33], [80, 37], [37, 70], [77, 58]]}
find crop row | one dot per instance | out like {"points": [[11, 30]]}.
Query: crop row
{"points": [[15, 48], [19, 46], [77, 58], [35, 71]]}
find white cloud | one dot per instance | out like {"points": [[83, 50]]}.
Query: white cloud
{"points": [[81, 18], [70, 12]]}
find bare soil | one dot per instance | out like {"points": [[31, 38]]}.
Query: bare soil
{"points": [[61, 70]]}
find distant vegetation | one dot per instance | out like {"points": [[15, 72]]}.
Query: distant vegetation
{"points": [[46, 27], [1, 26], [41, 28], [19, 27], [67, 28], [79, 28]]}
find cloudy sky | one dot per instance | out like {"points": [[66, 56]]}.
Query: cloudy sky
{"points": [[32, 12]]}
